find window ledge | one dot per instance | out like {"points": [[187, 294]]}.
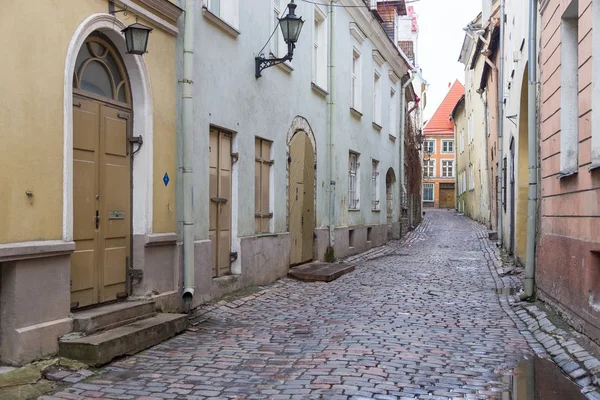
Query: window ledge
{"points": [[594, 166], [353, 209], [376, 210], [377, 126], [319, 90], [392, 138], [566, 174], [220, 23], [286, 66], [356, 113]]}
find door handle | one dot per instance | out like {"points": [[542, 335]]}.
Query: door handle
{"points": [[97, 219]]}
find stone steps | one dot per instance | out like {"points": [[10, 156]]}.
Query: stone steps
{"points": [[114, 330]]}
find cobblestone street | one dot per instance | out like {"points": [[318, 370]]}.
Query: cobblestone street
{"points": [[418, 318]]}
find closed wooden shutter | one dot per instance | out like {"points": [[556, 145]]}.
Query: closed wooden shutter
{"points": [[262, 182]]}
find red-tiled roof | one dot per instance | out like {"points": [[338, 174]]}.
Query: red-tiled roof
{"points": [[441, 122]]}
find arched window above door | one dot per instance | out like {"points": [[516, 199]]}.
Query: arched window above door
{"points": [[99, 70]]}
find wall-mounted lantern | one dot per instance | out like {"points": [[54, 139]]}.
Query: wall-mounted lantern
{"points": [[291, 26], [136, 35]]}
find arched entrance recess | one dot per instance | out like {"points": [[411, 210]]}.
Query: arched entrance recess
{"points": [[107, 101], [523, 173], [390, 180], [301, 191]]}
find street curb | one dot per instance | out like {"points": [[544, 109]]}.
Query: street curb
{"points": [[545, 339]]}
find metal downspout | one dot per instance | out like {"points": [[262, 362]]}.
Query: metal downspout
{"points": [[500, 124], [402, 133], [331, 109], [187, 139], [532, 201]]}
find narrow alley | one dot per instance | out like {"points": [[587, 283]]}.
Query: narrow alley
{"points": [[416, 319]]}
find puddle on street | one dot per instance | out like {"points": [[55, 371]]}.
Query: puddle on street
{"points": [[540, 379], [507, 291]]}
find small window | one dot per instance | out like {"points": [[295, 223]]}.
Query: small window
{"points": [[262, 183], [353, 181], [377, 97], [227, 10], [319, 75], [429, 146], [447, 146], [429, 168], [375, 186], [428, 192], [447, 168], [356, 80]]}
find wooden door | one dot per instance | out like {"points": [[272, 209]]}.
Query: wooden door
{"points": [[301, 191], [447, 195], [101, 202], [220, 201]]}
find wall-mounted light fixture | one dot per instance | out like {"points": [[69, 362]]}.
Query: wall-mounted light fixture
{"points": [[136, 35], [291, 25]]}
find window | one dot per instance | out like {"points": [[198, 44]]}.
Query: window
{"points": [[356, 80], [393, 105], [278, 46], [471, 177], [319, 74], [428, 192], [447, 168], [375, 186], [353, 181], [428, 168], [569, 76], [470, 129], [464, 181], [262, 183], [429, 146], [462, 140], [227, 10], [447, 146], [377, 97]]}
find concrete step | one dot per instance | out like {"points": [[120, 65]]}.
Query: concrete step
{"points": [[112, 316], [100, 348], [319, 271]]}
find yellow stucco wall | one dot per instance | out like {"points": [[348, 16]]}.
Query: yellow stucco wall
{"points": [[34, 50]]}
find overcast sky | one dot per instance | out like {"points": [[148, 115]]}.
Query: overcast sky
{"points": [[440, 40]]}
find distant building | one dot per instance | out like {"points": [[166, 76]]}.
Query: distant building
{"points": [[439, 174]]}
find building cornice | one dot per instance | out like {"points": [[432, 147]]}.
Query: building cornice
{"points": [[162, 13]]}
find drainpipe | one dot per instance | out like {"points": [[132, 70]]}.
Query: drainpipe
{"points": [[402, 133], [331, 104], [532, 202], [487, 165], [187, 143], [500, 123]]}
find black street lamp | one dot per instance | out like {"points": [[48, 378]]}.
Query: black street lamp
{"points": [[291, 25], [136, 35]]}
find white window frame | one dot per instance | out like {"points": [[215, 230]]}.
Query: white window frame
{"points": [[429, 166], [462, 140], [226, 10], [444, 142], [447, 160], [471, 178], [470, 129], [278, 46], [569, 92], [354, 181], [432, 187], [375, 200], [393, 118], [319, 54], [377, 97], [356, 82], [426, 145]]}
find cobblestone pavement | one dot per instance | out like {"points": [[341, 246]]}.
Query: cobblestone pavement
{"points": [[417, 319]]}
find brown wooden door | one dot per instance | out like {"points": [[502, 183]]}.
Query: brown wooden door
{"points": [[447, 195], [220, 201], [301, 192], [101, 202]]}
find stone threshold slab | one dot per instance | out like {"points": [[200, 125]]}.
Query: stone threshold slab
{"points": [[320, 272]]}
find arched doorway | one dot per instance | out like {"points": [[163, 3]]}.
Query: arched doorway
{"points": [[301, 197], [523, 174], [102, 190]]}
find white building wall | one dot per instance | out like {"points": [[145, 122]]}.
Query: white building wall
{"points": [[228, 95]]}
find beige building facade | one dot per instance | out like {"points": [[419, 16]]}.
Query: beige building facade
{"points": [[88, 207]]}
